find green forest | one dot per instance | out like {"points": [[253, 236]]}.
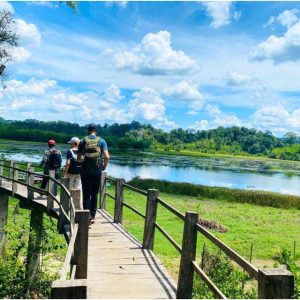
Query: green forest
{"points": [[232, 141]]}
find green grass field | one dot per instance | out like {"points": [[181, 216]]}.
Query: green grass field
{"points": [[269, 229]]}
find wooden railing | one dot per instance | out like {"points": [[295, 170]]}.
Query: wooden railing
{"points": [[272, 283], [72, 221]]}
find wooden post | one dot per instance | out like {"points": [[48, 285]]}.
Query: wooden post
{"points": [[15, 177], [103, 190], [118, 213], [34, 244], [81, 244], [3, 214], [69, 289], [65, 204], [50, 187], [75, 194], [189, 245], [151, 211], [275, 284], [30, 181], [1, 171], [10, 171]]}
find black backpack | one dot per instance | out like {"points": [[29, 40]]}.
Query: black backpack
{"points": [[75, 165], [54, 160]]}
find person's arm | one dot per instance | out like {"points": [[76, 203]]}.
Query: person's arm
{"points": [[104, 150], [106, 159], [80, 155], [45, 159], [67, 166]]}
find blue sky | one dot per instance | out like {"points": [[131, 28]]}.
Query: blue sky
{"points": [[193, 65]]}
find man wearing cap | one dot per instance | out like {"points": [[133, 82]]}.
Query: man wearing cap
{"points": [[73, 167], [90, 152], [51, 161]]}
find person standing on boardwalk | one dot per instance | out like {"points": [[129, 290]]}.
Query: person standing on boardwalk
{"points": [[73, 166], [90, 152], [51, 161]]}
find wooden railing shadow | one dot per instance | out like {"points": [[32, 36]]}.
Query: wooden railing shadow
{"points": [[272, 283]]}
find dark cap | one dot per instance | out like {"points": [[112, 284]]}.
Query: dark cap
{"points": [[92, 127]]}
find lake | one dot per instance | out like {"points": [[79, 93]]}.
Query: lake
{"points": [[267, 175]]}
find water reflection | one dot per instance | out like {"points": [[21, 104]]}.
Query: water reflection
{"points": [[275, 176]]}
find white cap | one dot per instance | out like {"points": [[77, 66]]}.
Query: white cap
{"points": [[74, 140]]}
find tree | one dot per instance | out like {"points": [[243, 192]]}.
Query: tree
{"points": [[8, 39], [290, 138]]}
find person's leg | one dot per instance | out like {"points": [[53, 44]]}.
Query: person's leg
{"points": [[94, 194], [71, 176], [45, 180], [77, 182], [57, 177], [86, 191]]}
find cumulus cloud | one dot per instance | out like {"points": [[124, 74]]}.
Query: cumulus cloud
{"points": [[187, 93], [277, 119], [154, 55], [5, 5], [112, 93], [280, 48], [238, 79], [28, 32], [286, 18], [222, 13], [147, 105], [19, 54]]}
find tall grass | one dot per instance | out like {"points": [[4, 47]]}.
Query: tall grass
{"points": [[261, 198]]}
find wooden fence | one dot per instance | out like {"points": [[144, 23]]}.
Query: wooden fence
{"points": [[272, 283], [72, 221]]}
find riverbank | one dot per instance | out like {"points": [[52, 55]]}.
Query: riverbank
{"points": [[220, 155]]}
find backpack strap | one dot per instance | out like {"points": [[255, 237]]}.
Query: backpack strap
{"points": [[73, 154]]}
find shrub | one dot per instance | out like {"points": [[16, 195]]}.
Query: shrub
{"points": [[253, 197]]}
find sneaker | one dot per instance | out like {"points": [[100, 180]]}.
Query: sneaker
{"points": [[92, 220]]}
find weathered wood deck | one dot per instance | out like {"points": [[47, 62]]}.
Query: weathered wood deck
{"points": [[118, 267]]}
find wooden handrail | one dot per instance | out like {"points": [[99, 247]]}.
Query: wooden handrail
{"points": [[67, 261]]}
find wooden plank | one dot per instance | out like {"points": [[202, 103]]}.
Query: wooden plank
{"points": [[69, 289], [3, 214]]}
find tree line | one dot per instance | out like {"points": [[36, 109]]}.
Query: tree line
{"points": [[233, 140]]}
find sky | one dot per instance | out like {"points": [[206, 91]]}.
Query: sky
{"points": [[194, 65]]}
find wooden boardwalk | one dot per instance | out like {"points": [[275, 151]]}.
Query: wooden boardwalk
{"points": [[118, 267]]}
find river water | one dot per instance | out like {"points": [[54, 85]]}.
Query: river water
{"points": [[283, 177]]}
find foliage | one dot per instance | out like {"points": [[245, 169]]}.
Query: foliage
{"points": [[290, 152], [286, 258], [13, 279], [230, 280], [253, 197], [8, 39]]}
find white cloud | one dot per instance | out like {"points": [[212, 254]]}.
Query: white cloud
{"points": [[286, 18], [222, 13], [239, 79], [19, 54], [213, 110], [21, 103], [186, 92], [28, 32], [280, 48], [148, 106], [49, 4], [200, 125], [153, 56], [31, 87], [277, 119], [122, 4], [112, 93], [5, 5]]}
